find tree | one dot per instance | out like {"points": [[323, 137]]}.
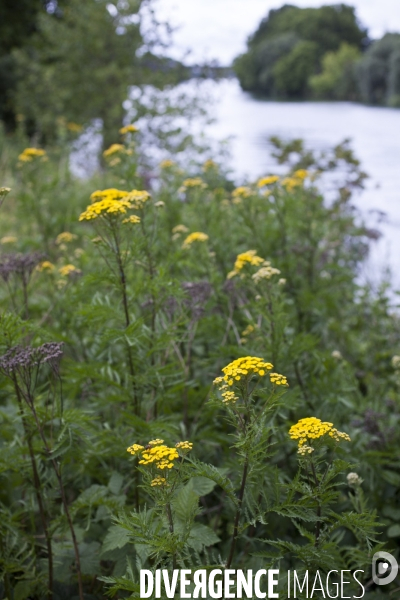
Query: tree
{"points": [[377, 72], [337, 78]]}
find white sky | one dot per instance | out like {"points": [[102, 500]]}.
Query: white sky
{"points": [[219, 28]]}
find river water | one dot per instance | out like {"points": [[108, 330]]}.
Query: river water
{"points": [[375, 138]]}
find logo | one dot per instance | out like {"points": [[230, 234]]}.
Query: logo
{"points": [[384, 568]]}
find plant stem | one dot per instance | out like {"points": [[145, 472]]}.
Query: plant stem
{"points": [[238, 513], [318, 523], [37, 486], [171, 529], [57, 472]]}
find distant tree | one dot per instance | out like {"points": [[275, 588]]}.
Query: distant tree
{"points": [[337, 80], [302, 36], [378, 72]]}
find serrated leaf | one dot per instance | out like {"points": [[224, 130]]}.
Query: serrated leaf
{"points": [[200, 536], [116, 537]]}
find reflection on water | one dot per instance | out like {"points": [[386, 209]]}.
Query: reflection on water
{"points": [[375, 139]]}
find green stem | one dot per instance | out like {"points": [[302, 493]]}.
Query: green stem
{"points": [[238, 513]]}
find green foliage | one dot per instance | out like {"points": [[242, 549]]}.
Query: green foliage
{"points": [[287, 48], [337, 78], [148, 317], [378, 72]]}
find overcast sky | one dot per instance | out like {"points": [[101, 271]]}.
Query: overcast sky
{"points": [[219, 28]]}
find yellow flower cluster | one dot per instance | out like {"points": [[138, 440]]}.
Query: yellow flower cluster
{"points": [[8, 239], [159, 481], [266, 272], [46, 265], [158, 454], [246, 258], [113, 149], [167, 164], [65, 238], [267, 180], [4, 191], [241, 192], [112, 202], [312, 428], [128, 129], [196, 236], [184, 445], [133, 219], [30, 153], [68, 270], [192, 182], [210, 165], [180, 229], [278, 379], [242, 368], [304, 450]]}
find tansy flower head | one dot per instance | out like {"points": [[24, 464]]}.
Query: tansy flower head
{"points": [[167, 164], [128, 129], [209, 165], [67, 270], [241, 370], [133, 220], [192, 182], [267, 180], [266, 272], [300, 174], [46, 265], [29, 154], [245, 258], [180, 229], [159, 481], [196, 236], [184, 445], [311, 428], [4, 191], [278, 379], [113, 149], [65, 238], [241, 192]]}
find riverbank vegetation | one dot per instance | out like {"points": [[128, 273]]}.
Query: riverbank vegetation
{"points": [[320, 53], [221, 335]]}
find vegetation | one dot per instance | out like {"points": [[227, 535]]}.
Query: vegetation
{"points": [[260, 414], [323, 53]]}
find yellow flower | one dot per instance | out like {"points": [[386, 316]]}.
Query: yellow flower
{"points": [[311, 428], [110, 193], [278, 379], [167, 164], [300, 174], [133, 219], [241, 192], [239, 371], [8, 239], [266, 272], [184, 445], [46, 265], [159, 204], [128, 129], [30, 153], [4, 191], [180, 229], [196, 236], [159, 481], [74, 127], [65, 238], [112, 203], [209, 165], [267, 180], [135, 449], [113, 149], [250, 258], [192, 182], [68, 270]]}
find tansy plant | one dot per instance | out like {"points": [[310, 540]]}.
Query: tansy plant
{"points": [[249, 402]]}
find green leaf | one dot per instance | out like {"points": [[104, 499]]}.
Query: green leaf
{"points": [[200, 536], [116, 537], [115, 483], [202, 485]]}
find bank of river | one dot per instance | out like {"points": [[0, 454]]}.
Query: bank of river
{"points": [[375, 138]]}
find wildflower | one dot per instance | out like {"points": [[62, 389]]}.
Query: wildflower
{"points": [[192, 182], [133, 219], [305, 450], [266, 272], [46, 265], [209, 165], [159, 204], [241, 370], [336, 354], [267, 180], [110, 193], [74, 127], [282, 282], [135, 449], [113, 203], [180, 229], [155, 442], [29, 154], [289, 183], [396, 362], [158, 481], [196, 236], [300, 174], [67, 270], [249, 329], [113, 149], [167, 164], [241, 192], [8, 239], [19, 265], [184, 445], [250, 257], [4, 191], [162, 456], [79, 252], [128, 129], [354, 480], [311, 428], [278, 379], [65, 238]]}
